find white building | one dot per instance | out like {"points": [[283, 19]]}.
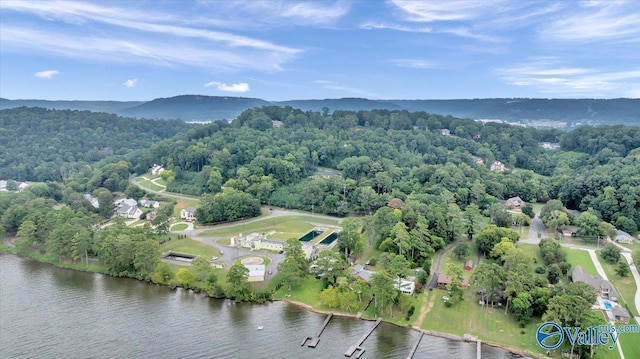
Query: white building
{"points": [[498, 166], [149, 203], [256, 272], [188, 214], [156, 169], [406, 286], [94, 201]]}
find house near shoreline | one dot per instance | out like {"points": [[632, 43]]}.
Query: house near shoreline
{"points": [[444, 280], [256, 272], [603, 287], [188, 214]]}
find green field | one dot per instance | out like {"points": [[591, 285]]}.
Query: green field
{"points": [[190, 246], [182, 203], [582, 258], [179, 227], [146, 184], [533, 250], [489, 324], [285, 227]]}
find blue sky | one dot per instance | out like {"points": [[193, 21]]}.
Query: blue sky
{"points": [[280, 50]]}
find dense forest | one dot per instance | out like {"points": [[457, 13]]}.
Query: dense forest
{"points": [[380, 154], [48, 145]]}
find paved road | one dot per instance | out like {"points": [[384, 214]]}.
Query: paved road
{"points": [[537, 231], [434, 279]]}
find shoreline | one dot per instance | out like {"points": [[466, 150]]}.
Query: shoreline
{"points": [[8, 249], [470, 339]]}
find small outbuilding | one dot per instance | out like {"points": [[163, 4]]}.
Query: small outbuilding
{"points": [[469, 265], [256, 272]]}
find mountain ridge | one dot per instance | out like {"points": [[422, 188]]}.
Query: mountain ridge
{"points": [[211, 108]]}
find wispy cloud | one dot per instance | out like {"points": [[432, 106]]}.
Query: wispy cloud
{"points": [[430, 11], [414, 63], [596, 21], [46, 74], [330, 85], [128, 34], [293, 12], [551, 77], [221, 86], [130, 83]]}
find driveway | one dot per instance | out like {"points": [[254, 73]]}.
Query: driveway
{"points": [[537, 231]]}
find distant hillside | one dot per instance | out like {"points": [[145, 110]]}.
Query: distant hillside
{"points": [[536, 112], [94, 106], [593, 111], [194, 108], [348, 104]]}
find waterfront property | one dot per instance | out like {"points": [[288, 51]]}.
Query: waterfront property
{"points": [[256, 272], [607, 295], [257, 241], [444, 280]]}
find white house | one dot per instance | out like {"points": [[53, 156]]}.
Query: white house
{"points": [[156, 169], [406, 286], [256, 241], [498, 166], [130, 212], [256, 272], [125, 201], [445, 132], [149, 203], [188, 214], [624, 237]]}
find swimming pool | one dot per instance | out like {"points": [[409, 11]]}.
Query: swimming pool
{"points": [[607, 305]]}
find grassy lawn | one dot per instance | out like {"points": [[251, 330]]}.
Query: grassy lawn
{"points": [[179, 227], [184, 203], [142, 179], [537, 207], [532, 250], [450, 257], [582, 258], [635, 246], [626, 287], [307, 292], [160, 181], [285, 227], [629, 343], [489, 324], [146, 184], [190, 246]]}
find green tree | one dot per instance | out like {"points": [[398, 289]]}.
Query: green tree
{"points": [[461, 251], [290, 272], [472, 219], [293, 251], [610, 253], [623, 269], [162, 273], [331, 264], [588, 225], [329, 297], [489, 278], [455, 272], [383, 290], [238, 286], [492, 234], [501, 249], [185, 278], [521, 307], [201, 268], [350, 240], [500, 215], [528, 210]]}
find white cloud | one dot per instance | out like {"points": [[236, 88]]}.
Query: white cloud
{"points": [[292, 12], [130, 83], [549, 76], [414, 63], [46, 74], [330, 85], [130, 34], [221, 86], [430, 11]]}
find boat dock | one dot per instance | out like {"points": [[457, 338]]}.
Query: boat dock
{"points": [[479, 349], [415, 346], [314, 340], [357, 346]]}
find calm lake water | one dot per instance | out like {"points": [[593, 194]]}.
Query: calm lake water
{"points": [[48, 312]]}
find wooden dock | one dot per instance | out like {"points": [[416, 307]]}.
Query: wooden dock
{"points": [[357, 346], [315, 340], [479, 349], [415, 346]]}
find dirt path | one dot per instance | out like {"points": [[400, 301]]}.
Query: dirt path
{"points": [[427, 305]]}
